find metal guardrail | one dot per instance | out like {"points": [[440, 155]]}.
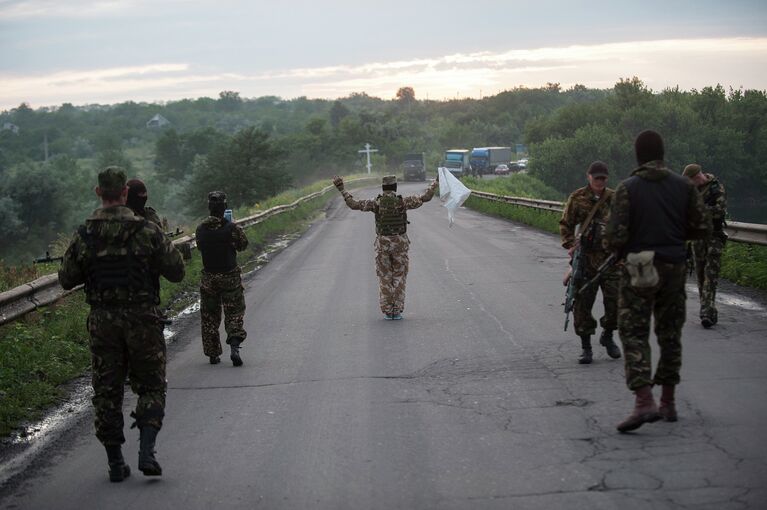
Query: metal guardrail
{"points": [[752, 233], [46, 290]]}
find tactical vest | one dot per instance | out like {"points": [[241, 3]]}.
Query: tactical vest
{"points": [[118, 275], [217, 249], [391, 216]]}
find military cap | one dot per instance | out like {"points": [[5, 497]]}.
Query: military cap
{"points": [[597, 169], [112, 178], [216, 197], [691, 170], [389, 180]]}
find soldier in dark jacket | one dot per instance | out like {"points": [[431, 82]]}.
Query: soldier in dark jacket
{"points": [[392, 242], [137, 197], [219, 240], [707, 253], [653, 212], [591, 204], [120, 258]]}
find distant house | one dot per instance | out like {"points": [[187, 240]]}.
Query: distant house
{"points": [[157, 122], [8, 126]]}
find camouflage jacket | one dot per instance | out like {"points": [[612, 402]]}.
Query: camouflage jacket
{"points": [[151, 215], [715, 200], [577, 209], [654, 219], [108, 232], [371, 205]]}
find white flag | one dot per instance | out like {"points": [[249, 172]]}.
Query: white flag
{"points": [[452, 192]]}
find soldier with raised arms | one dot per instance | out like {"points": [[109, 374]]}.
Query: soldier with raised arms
{"points": [[392, 242], [120, 257]]}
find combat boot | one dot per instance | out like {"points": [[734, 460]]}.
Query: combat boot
{"points": [[214, 360], [667, 407], [606, 340], [118, 469], [146, 461], [587, 355], [645, 411], [234, 344]]}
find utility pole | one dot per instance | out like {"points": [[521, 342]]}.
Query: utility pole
{"points": [[367, 151]]}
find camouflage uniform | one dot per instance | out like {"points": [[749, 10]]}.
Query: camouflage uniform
{"points": [[656, 210], [120, 257], [391, 243], [221, 285], [151, 215], [707, 253], [578, 206]]}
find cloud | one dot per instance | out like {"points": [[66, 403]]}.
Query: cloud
{"points": [[689, 63]]}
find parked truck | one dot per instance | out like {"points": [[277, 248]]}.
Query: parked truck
{"points": [[414, 167], [484, 159], [456, 162]]}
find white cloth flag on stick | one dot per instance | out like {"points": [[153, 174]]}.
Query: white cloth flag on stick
{"points": [[452, 193]]}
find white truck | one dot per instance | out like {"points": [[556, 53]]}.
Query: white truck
{"points": [[456, 161]]}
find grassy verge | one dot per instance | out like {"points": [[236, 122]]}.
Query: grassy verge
{"points": [[745, 264], [544, 220], [44, 349]]}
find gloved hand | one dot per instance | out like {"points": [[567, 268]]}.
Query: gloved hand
{"points": [[338, 182]]}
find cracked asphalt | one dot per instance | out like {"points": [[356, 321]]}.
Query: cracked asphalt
{"points": [[475, 400]]}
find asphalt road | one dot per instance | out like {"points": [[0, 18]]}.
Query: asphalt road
{"points": [[475, 400]]}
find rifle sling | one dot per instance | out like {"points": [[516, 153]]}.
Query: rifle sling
{"points": [[593, 211]]}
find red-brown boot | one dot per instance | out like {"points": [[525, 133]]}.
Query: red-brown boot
{"points": [[645, 411], [667, 408]]}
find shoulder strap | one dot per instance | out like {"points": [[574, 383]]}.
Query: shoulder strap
{"points": [[593, 211]]}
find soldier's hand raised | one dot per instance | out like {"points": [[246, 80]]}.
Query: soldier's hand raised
{"points": [[338, 182]]}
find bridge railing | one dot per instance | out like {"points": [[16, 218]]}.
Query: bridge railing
{"points": [[46, 290], [753, 233]]}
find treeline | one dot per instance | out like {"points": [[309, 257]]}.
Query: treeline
{"points": [[724, 131], [254, 148]]}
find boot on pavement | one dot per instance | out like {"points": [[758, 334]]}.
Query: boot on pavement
{"points": [[146, 461], [118, 469], [606, 341], [667, 407], [234, 344], [587, 355], [645, 411]]}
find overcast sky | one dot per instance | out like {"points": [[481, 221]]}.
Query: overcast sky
{"points": [[108, 51]]}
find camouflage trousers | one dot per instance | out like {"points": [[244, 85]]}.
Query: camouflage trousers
{"points": [[708, 263], [392, 264], [126, 341], [636, 307], [585, 324], [217, 291]]}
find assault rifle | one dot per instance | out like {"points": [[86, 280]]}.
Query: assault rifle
{"points": [[47, 258], [602, 269], [573, 281], [178, 232]]}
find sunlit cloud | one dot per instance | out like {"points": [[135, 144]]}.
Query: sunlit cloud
{"points": [[690, 63]]}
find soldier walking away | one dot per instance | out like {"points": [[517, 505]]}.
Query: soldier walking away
{"points": [[588, 207], [391, 242], [653, 212], [120, 258], [137, 197], [219, 240], [707, 253]]}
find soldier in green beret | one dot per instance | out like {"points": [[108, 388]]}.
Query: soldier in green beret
{"points": [[707, 253], [392, 242], [120, 257]]}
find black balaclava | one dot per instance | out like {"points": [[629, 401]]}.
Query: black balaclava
{"points": [[648, 146], [136, 202], [389, 187]]}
